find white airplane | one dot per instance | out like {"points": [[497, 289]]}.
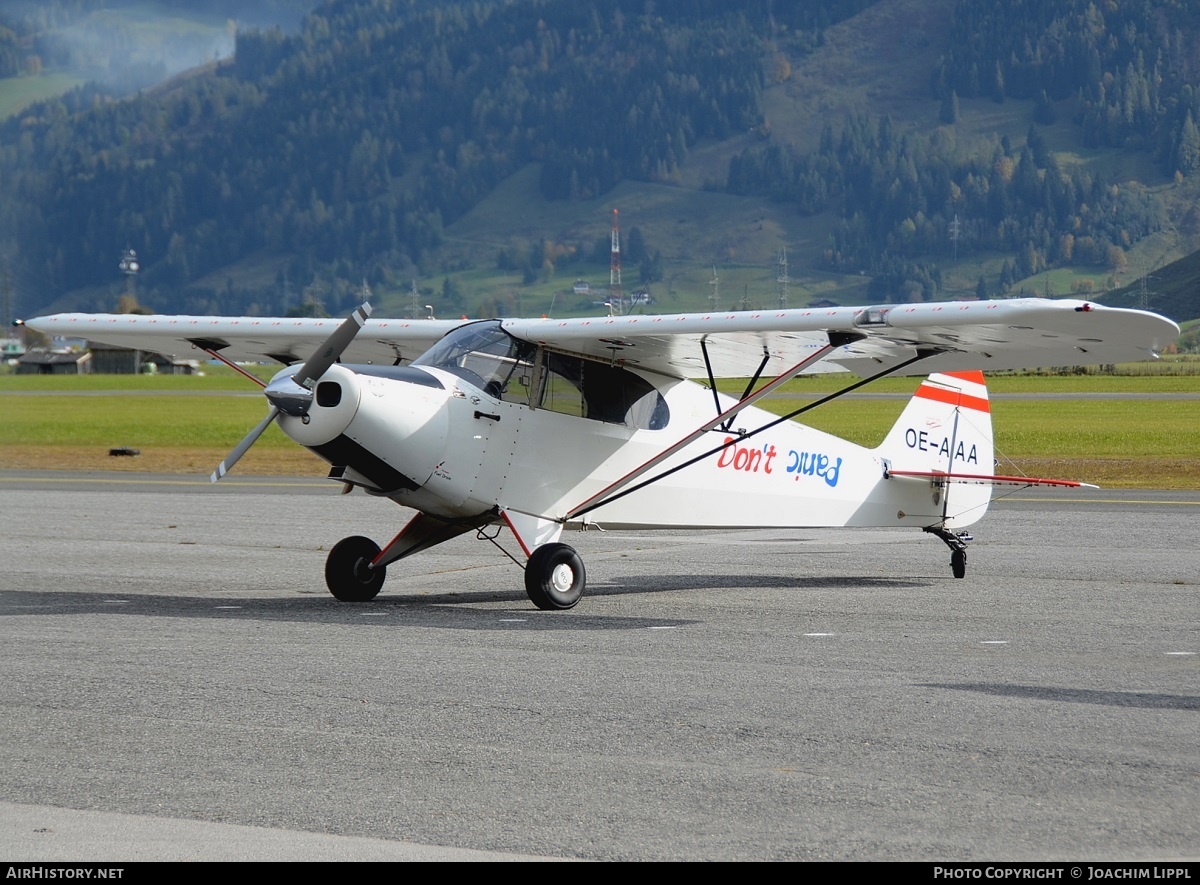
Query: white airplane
{"points": [[542, 425]]}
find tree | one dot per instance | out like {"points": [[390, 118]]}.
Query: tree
{"points": [[997, 86], [452, 296], [1044, 111], [1188, 153], [949, 111], [128, 303], [635, 246]]}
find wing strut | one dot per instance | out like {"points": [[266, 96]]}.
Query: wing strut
{"points": [[712, 381], [622, 487], [213, 353]]}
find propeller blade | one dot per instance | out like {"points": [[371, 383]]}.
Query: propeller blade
{"points": [[294, 395], [329, 352], [241, 448]]}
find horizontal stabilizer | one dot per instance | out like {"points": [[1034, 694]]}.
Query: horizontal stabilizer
{"points": [[987, 479]]}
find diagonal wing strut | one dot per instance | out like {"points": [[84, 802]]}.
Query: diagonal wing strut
{"points": [[623, 487]]}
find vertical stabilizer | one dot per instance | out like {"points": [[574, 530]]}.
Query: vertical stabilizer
{"points": [[947, 429]]}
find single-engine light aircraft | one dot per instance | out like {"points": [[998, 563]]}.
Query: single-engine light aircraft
{"points": [[543, 425]]}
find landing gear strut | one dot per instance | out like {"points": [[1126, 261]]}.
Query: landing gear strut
{"points": [[348, 572], [957, 542]]}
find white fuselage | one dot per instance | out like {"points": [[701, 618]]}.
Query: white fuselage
{"points": [[464, 454]]}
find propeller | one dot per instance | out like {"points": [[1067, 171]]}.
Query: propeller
{"points": [[293, 394]]}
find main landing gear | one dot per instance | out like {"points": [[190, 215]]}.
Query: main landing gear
{"points": [[957, 542], [554, 575], [348, 572]]}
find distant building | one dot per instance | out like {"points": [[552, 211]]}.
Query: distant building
{"points": [[108, 359], [11, 349], [54, 362]]}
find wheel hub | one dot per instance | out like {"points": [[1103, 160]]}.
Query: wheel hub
{"points": [[362, 570], [562, 577]]}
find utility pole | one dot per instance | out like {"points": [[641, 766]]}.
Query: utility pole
{"points": [[6, 316]]}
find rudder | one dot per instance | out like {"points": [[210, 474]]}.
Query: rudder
{"points": [[947, 428]]}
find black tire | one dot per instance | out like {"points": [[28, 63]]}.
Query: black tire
{"points": [[958, 563], [346, 573], [554, 577]]}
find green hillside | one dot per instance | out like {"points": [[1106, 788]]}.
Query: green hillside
{"points": [[892, 150], [1172, 290]]}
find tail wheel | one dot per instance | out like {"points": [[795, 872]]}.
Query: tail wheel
{"points": [[958, 563], [554, 577], [348, 572]]}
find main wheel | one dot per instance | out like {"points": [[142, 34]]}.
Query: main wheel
{"points": [[554, 577], [958, 563], [347, 570]]}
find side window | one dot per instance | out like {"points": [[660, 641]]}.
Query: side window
{"points": [[601, 392], [516, 382], [562, 391]]}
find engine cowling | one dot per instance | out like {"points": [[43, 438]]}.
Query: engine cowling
{"points": [[388, 425]]}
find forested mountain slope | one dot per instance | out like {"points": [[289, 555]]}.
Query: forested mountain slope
{"points": [[343, 150]]}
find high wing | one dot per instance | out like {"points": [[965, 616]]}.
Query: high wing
{"points": [[250, 339], [1021, 333]]}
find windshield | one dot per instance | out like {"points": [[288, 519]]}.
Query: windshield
{"points": [[485, 355]]}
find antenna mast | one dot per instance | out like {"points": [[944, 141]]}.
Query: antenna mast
{"points": [[782, 279], [129, 266], [615, 297]]}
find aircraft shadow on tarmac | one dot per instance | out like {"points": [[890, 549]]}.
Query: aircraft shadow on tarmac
{"points": [[662, 583], [452, 610], [1145, 700], [446, 610]]}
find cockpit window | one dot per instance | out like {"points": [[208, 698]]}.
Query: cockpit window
{"points": [[486, 356], [602, 392]]}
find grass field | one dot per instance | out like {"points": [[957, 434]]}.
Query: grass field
{"points": [[17, 93], [1152, 441]]}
